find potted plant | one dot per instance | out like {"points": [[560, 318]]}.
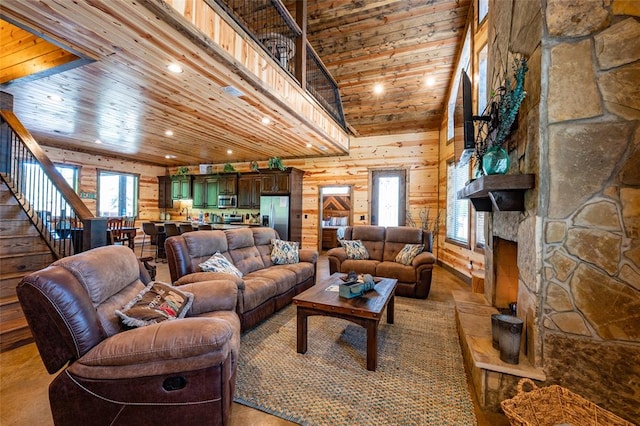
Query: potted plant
{"points": [[498, 122], [181, 172], [228, 168], [276, 163]]}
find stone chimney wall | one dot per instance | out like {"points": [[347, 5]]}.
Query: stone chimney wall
{"points": [[590, 317], [579, 236]]}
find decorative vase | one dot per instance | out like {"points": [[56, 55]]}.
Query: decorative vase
{"points": [[495, 161]]}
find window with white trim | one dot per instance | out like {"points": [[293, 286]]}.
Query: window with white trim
{"points": [[457, 210]]}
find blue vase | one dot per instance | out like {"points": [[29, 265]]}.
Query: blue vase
{"points": [[495, 161]]}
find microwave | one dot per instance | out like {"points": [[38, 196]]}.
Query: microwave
{"points": [[227, 201]]}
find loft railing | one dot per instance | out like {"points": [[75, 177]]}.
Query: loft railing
{"points": [[270, 24], [51, 204], [323, 87]]}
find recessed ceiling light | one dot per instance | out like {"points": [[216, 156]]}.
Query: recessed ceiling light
{"points": [[378, 89], [266, 120], [98, 141], [169, 156], [430, 81], [169, 133], [323, 148], [309, 145], [173, 67], [55, 98], [229, 151]]}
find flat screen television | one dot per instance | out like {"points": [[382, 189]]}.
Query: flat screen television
{"points": [[465, 142]]}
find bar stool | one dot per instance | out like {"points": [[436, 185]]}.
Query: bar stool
{"points": [[185, 227], [171, 229], [151, 230]]}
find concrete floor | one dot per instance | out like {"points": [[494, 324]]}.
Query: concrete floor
{"points": [[24, 381]]}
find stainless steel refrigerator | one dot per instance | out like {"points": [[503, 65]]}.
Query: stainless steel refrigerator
{"points": [[274, 210]]}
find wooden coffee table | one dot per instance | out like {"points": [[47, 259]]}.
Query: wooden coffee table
{"points": [[365, 311]]}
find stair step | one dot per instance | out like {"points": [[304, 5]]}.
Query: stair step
{"points": [[9, 282], [14, 334], [21, 244], [11, 311], [17, 227], [26, 262]]}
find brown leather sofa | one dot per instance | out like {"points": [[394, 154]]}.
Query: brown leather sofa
{"points": [[264, 287], [179, 371], [383, 245]]}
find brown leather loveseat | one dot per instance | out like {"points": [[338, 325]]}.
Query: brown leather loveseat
{"points": [[264, 287], [178, 371], [383, 245]]}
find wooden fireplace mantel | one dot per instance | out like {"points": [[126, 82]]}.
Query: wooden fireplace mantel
{"points": [[498, 192]]}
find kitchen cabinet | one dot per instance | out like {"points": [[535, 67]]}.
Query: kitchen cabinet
{"points": [[164, 192], [249, 187], [173, 188], [181, 187], [227, 185], [276, 182], [205, 192]]}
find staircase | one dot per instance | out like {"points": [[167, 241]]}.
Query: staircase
{"points": [[22, 250]]}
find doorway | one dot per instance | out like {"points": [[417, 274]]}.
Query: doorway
{"points": [[388, 197], [335, 213]]}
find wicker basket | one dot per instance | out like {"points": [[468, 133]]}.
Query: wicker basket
{"points": [[554, 405]]}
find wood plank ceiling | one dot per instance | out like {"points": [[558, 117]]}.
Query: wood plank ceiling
{"points": [[127, 99]]}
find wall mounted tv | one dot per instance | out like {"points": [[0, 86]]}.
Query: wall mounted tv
{"points": [[464, 134]]}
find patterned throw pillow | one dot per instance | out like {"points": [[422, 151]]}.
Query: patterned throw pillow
{"points": [[284, 252], [355, 249], [219, 263], [408, 253], [157, 302]]}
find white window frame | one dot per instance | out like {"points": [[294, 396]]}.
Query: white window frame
{"points": [[458, 210]]}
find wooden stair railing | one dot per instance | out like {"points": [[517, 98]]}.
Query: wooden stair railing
{"points": [[43, 219]]}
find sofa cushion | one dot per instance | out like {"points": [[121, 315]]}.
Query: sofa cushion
{"points": [[243, 251], [257, 290], [284, 252], [360, 266], [303, 270], [283, 278], [219, 263], [155, 303], [372, 237], [408, 253], [403, 273], [355, 249], [397, 237]]}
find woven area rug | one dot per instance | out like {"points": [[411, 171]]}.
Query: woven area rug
{"points": [[420, 377]]}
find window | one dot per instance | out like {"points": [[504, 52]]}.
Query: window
{"points": [[480, 240], [483, 9], [47, 200], [388, 197], [457, 210], [117, 194], [482, 79]]}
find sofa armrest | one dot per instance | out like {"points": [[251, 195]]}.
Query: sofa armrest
{"points": [[336, 256], [308, 255], [210, 276], [424, 258], [168, 347]]}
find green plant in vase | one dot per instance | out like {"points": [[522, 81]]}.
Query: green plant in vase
{"points": [[500, 116], [181, 172], [228, 168], [276, 163]]}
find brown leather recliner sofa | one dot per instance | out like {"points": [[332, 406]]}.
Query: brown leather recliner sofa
{"points": [[264, 287], [383, 245], [179, 371]]}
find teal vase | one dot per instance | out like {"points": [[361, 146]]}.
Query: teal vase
{"points": [[495, 161]]}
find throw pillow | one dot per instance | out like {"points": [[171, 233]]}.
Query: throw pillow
{"points": [[219, 263], [284, 252], [155, 303], [355, 249], [408, 253]]}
